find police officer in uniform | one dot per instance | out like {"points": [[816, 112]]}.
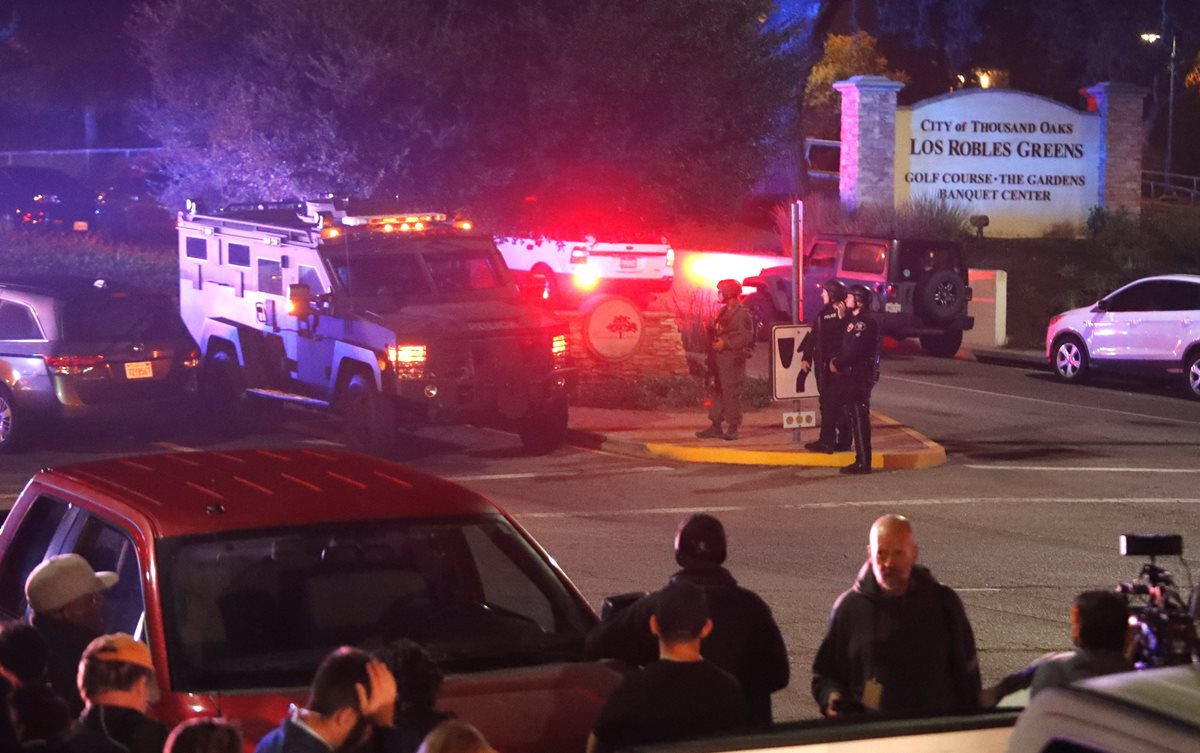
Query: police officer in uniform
{"points": [[819, 347], [732, 333], [857, 370]]}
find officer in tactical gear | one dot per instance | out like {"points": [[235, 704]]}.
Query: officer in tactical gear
{"points": [[745, 640], [857, 370], [732, 333], [819, 347]]}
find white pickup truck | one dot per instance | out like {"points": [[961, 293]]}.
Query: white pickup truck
{"points": [[1148, 711]]}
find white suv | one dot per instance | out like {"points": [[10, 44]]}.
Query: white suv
{"points": [[1149, 326]]}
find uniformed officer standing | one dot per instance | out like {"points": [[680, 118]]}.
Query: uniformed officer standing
{"points": [[857, 370], [732, 332], [820, 345]]}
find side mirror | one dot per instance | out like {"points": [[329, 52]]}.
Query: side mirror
{"points": [[1101, 305], [754, 282]]}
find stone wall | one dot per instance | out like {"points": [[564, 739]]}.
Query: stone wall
{"points": [[659, 351], [867, 164], [1120, 108]]}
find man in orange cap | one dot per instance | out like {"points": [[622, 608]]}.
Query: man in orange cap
{"points": [[116, 679]]}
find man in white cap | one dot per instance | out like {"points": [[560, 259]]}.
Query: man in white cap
{"points": [[67, 599]]}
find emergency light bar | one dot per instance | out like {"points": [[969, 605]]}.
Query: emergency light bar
{"points": [[412, 220]]}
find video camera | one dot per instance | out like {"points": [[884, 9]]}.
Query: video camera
{"points": [[1164, 624]]}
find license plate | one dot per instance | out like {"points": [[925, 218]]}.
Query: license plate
{"points": [[628, 262], [892, 307], [139, 370]]}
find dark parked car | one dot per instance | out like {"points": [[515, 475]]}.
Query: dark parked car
{"points": [[72, 350], [920, 285], [242, 569], [41, 197]]}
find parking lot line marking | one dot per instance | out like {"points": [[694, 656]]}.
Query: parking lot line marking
{"points": [[1057, 403], [171, 446], [514, 476], [879, 503], [321, 442], [1087, 469]]}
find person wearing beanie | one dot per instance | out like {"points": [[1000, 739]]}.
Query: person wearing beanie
{"points": [[680, 695], [745, 640], [67, 600], [116, 680]]}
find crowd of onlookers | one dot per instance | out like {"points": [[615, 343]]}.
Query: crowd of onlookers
{"points": [[710, 652]]}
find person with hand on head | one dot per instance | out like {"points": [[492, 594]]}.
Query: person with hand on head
{"points": [[116, 680], [67, 599], [898, 642], [350, 695]]}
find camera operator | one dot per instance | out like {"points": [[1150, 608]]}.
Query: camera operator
{"points": [[1100, 632]]}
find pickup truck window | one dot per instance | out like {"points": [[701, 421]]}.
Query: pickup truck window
{"points": [[28, 548], [260, 608], [105, 547]]}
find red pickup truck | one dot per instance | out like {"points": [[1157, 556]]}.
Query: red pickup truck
{"points": [[241, 570]]}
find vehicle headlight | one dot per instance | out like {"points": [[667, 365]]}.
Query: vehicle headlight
{"points": [[408, 360]]}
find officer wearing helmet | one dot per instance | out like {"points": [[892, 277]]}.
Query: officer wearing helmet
{"points": [[732, 333], [857, 370], [820, 345], [745, 640]]}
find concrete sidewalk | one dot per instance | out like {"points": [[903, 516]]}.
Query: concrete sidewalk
{"points": [[763, 440]]}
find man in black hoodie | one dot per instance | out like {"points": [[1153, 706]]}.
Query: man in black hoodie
{"points": [[745, 640], [898, 642]]}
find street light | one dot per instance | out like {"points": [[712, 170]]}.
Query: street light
{"points": [[1153, 38]]}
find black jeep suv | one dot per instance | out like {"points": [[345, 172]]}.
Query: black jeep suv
{"points": [[921, 286]]}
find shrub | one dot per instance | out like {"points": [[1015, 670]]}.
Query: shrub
{"points": [[662, 393], [933, 220], [25, 254]]}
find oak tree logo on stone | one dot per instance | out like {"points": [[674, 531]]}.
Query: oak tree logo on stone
{"points": [[622, 325]]}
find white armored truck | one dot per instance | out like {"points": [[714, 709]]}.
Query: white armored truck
{"points": [[389, 319]]}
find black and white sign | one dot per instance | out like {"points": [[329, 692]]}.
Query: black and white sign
{"points": [[788, 381]]}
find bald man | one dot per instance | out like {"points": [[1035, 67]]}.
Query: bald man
{"points": [[899, 642]]}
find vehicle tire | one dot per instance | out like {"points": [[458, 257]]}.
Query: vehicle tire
{"points": [[942, 296], [367, 419], [544, 430], [943, 344], [1069, 358], [762, 312], [12, 423], [1191, 373], [223, 406], [551, 294]]}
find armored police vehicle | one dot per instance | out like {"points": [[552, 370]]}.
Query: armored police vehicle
{"points": [[391, 320]]}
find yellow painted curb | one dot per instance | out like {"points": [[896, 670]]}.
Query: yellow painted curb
{"points": [[931, 455]]}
